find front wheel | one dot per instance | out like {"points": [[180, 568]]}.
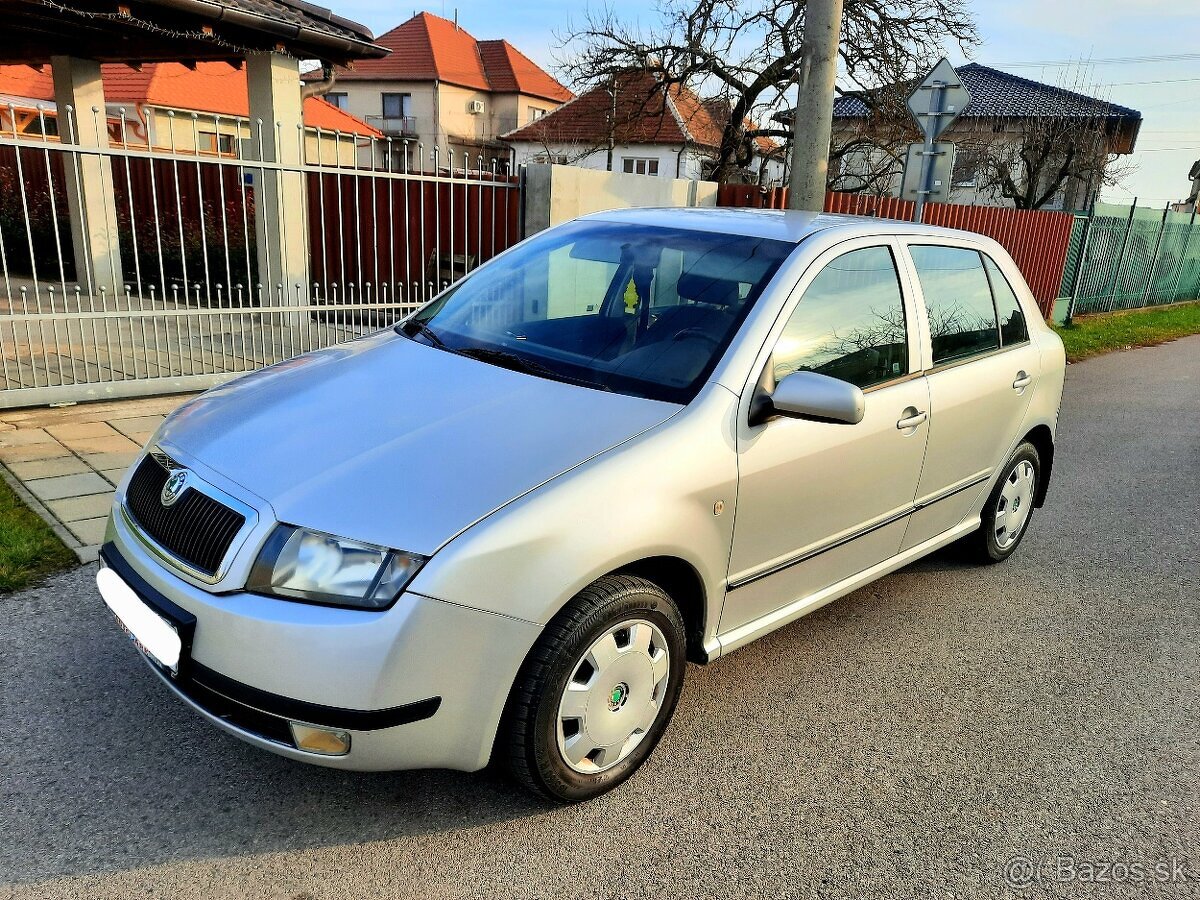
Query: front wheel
{"points": [[1006, 514], [597, 691]]}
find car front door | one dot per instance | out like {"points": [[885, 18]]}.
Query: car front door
{"points": [[818, 501], [981, 376]]}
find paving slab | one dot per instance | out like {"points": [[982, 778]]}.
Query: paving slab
{"points": [[20, 437], [102, 461], [77, 509], [63, 486], [89, 531], [43, 450], [48, 468], [111, 443], [136, 426], [74, 430]]}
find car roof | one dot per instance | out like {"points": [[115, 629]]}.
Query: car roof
{"points": [[792, 226]]}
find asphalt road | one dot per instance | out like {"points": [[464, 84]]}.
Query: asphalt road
{"points": [[906, 741]]}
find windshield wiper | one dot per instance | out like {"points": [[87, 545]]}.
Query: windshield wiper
{"points": [[421, 328], [518, 363]]}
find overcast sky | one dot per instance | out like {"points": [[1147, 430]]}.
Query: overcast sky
{"points": [[1050, 33]]}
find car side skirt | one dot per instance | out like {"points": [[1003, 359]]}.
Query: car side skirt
{"points": [[721, 644]]}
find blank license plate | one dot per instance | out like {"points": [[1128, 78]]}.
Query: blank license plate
{"points": [[154, 635]]}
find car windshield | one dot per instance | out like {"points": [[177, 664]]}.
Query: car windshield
{"points": [[635, 309]]}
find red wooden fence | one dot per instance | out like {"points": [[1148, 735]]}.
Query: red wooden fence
{"points": [[1036, 239]]}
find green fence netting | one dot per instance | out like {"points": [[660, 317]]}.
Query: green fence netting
{"points": [[1128, 257]]}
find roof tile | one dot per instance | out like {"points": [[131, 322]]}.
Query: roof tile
{"points": [[429, 48], [997, 94], [641, 117], [211, 87]]}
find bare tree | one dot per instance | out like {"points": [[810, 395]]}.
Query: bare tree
{"points": [[749, 56], [1030, 160], [866, 154]]}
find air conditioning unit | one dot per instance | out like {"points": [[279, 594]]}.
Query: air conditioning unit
{"points": [[476, 107]]}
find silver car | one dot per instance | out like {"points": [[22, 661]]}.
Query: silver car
{"points": [[502, 528]]}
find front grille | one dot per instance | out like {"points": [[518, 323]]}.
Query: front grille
{"points": [[196, 528]]}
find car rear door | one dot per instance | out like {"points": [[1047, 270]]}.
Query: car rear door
{"points": [[980, 371], [819, 502]]}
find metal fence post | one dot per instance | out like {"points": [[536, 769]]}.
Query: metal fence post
{"points": [[1081, 262], [1162, 226], [1187, 246], [1116, 279]]}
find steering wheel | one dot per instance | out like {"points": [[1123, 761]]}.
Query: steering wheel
{"points": [[696, 333]]}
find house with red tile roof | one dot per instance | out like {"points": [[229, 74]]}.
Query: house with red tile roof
{"points": [[153, 105], [442, 88], [633, 124]]}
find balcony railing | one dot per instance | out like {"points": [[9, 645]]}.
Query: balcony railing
{"points": [[395, 126]]}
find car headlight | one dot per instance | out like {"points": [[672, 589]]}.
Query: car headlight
{"points": [[321, 568]]}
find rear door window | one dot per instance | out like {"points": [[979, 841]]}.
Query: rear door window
{"points": [[958, 298]]}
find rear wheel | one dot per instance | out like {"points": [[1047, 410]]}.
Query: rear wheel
{"points": [[597, 690], [1006, 514]]}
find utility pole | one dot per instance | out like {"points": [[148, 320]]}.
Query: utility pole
{"points": [[812, 122]]}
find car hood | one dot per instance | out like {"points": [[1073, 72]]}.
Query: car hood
{"points": [[397, 443]]}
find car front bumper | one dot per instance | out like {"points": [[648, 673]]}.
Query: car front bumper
{"points": [[420, 685]]}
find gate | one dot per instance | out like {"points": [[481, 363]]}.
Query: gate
{"points": [[191, 309]]}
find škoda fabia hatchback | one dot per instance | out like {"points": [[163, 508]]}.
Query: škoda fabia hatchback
{"points": [[502, 528]]}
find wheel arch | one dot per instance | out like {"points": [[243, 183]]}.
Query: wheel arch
{"points": [[1043, 439], [683, 583]]}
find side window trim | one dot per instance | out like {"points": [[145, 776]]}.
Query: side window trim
{"points": [[987, 270]]}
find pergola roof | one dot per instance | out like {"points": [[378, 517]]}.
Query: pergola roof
{"points": [[143, 31]]}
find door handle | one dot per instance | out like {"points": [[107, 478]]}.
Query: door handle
{"points": [[1022, 381], [912, 420]]}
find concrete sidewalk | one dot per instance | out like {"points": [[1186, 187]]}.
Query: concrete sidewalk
{"points": [[65, 461]]}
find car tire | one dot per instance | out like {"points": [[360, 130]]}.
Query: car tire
{"points": [[1009, 507], [604, 677]]}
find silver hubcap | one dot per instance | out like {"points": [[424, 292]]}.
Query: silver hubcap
{"points": [[1014, 504], [613, 697]]}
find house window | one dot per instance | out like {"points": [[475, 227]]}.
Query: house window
{"points": [[211, 142], [966, 168], [634, 165], [338, 99], [44, 125], [396, 106], [558, 159], [535, 113]]}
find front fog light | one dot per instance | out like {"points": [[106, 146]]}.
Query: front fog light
{"points": [[326, 741]]}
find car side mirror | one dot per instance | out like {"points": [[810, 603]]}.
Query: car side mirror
{"points": [[810, 395]]}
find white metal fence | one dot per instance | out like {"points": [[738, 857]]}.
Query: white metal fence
{"points": [[150, 265]]}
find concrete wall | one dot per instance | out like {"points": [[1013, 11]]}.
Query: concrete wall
{"points": [[673, 161], [556, 194]]}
